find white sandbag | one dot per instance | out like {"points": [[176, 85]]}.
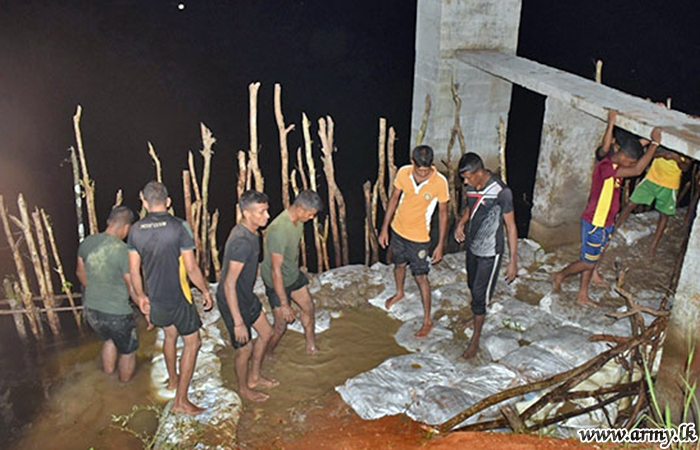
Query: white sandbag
{"points": [[535, 363], [571, 344], [405, 336], [500, 343]]}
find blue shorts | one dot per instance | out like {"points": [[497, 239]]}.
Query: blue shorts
{"points": [[593, 241]]}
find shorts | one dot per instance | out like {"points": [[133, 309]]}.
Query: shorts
{"points": [[249, 312], [482, 275], [118, 328], [272, 295], [647, 191], [183, 315], [593, 241], [416, 254]]}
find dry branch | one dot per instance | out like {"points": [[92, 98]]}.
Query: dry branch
{"points": [[302, 242], [118, 199], [390, 157], [381, 169], [325, 134], [187, 196], [49, 301], [78, 194], [212, 244], [240, 185], [208, 141], [371, 236], [88, 184], [196, 208], [300, 168], [312, 184], [599, 71], [284, 152], [13, 293], [65, 285], [424, 122], [259, 181], [26, 292], [156, 161]]}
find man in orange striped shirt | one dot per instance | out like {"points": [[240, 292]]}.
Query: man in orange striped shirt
{"points": [[619, 158]]}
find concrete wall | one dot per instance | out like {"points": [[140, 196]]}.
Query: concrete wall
{"points": [[444, 27], [564, 168]]}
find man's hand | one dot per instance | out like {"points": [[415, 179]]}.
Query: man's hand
{"points": [[240, 332], [384, 238], [437, 254], [459, 233], [144, 305], [287, 313], [612, 115], [208, 301], [512, 270], [656, 135]]}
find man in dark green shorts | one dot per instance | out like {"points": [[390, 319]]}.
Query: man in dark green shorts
{"points": [[280, 269], [164, 245], [103, 268], [239, 306]]}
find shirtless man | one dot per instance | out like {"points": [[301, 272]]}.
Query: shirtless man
{"points": [[239, 306], [164, 245]]}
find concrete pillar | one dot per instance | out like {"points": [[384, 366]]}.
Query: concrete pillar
{"points": [[564, 169], [442, 29], [682, 330]]}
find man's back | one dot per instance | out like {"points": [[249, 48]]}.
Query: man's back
{"points": [[159, 238], [283, 238], [106, 261]]}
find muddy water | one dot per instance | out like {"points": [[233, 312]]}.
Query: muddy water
{"points": [[358, 341], [73, 401]]}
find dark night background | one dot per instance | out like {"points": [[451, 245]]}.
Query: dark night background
{"points": [[147, 71]]}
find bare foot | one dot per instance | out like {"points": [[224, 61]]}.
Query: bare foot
{"points": [[254, 396], [187, 407], [470, 352], [263, 382], [557, 279], [391, 301], [424, 331], [313, 350], [597, 279], [585, 301], [172, 384]]}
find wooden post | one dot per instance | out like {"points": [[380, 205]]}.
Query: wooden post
{"points": [[65, 284], [49, 301], [599, 71], [312, 184], [381, 151], [284, 153], [78, 194], [259, 181], [300, 167], [208, 141], [187, 195], [668, 103], [118, 199], [25, 226], [324, 245], [369, 226], [12, 293], [156, 161], [26, 292], [424, 122], [212, 244], [327, 148], [240, 186], [302, 242], [88, 184], [196, 208], [390, 158]]}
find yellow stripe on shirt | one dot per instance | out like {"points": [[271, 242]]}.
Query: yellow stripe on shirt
{"points": [[184, 284], [602, 208]]}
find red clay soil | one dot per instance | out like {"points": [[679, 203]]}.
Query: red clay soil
{"points": [[337, 427]]}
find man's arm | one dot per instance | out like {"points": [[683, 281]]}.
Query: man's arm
{"points": [[512, 234], [137, 283], [390, 210], [276, 260], [195, 275], [604, 149], [643, 162], [80, 272], [459, 227], [442, 220], [683, 163], [240, 331]]}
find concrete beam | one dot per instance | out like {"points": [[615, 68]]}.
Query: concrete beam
{"points": [[680, 131]]}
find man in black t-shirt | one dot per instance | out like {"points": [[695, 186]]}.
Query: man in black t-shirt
{"points": [[489, 204], [240, 307], [164, 246]]}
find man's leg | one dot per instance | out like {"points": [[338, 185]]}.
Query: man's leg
{"points": [[170, 353], [424, 287], [660, 227], [582, 297], [241, 364], [278, 330], [572, 269], [399, 278], [255, 379], [127, 365], [187, 363], [470, 352], [302, 297], [109, 356]]}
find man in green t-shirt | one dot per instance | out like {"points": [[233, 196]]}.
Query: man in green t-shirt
{"points": [[103, 268], [280, 269]]}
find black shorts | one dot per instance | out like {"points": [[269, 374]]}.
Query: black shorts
{"points": [[416, 254], [272, 295], [249, 312], [482, 274], [118, 328], [183, 315]]}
